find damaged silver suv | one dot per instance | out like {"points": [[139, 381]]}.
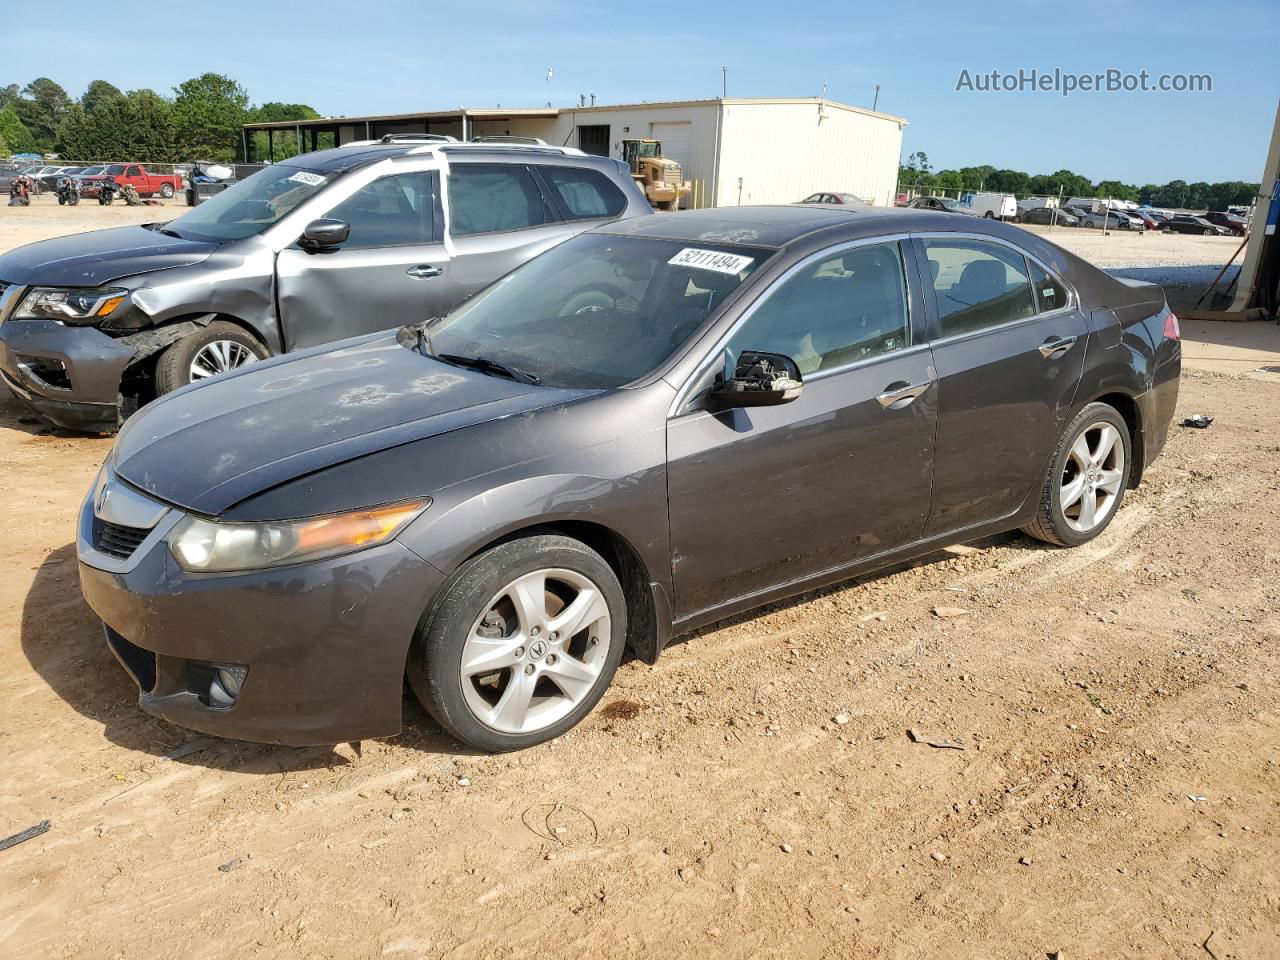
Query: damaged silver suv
{"points": [[318, 248]]}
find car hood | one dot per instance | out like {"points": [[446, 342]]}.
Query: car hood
{"points": [[98, 257], [210, 446]]}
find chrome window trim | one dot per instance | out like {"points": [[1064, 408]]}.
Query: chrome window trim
{"points": [[681, 397], [1072, 294]]}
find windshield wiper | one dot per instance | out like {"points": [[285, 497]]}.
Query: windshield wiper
{"points": [[422, 339], [485, 365]]}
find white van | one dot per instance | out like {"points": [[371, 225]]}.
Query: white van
{"points": [[994, 206], [1035, 203]]}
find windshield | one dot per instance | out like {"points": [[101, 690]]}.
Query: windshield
{"points": [[252, 205], [598, 311], [949, 204], [114, 169], [91, 172]]}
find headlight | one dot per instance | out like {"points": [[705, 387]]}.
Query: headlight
{"points": [[205, 546], [70, 304]]}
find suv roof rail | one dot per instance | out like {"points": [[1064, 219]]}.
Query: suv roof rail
{"points": [[505, 147], [508, 138], [403, 138]]}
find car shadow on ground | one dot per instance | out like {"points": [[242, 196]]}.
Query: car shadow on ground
{"points": [[63, 641], [15, 416]]}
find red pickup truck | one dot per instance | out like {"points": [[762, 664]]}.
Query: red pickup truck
{"points": [[136, 176]]}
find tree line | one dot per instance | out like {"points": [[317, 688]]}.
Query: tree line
{"points": [[201, 120], [916, 172]]}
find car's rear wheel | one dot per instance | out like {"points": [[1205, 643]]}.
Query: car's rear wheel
{"points": [[1208, 233], [522, 643], [166, 190], [218, 348], [1086, 479]]}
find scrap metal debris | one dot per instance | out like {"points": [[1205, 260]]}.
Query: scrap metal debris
{"points": [[918, 737], [229, 865], [1197, 420], [28, 834], [190, 747]]}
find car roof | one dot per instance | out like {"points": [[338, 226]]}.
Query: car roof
{"points": [[342, 159], [777, 226]]}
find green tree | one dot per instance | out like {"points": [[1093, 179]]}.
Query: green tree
{"points": [[208, 112], [15, 132], [284, 142], [1009, 181], [41, 108], [1116, 190], [1172, 194], [949, 181], [1198, 195], [97, 93], [8, 95], [133, 126]]}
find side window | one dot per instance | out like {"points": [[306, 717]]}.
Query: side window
{"points": [[132, 172], [490, 197], [1050, 293], [836, 311], [585, 193], [395, 211], [978, 284]]}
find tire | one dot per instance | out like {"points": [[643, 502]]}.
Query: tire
{"points": [[1053, 523], [62, 201], [1208, 233], [74, 200], [483, 709], [989, 215], [174, 369], [166, 190]]}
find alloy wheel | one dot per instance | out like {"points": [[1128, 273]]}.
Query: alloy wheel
{"points": [[536, 651], [1092, 477], [219, 357]]}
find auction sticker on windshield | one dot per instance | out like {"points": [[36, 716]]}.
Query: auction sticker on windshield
{"points": [[310, 179], [716, 260]]}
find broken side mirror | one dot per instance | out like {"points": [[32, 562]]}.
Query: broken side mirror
{"points": [[324, 234], [759, 380]]}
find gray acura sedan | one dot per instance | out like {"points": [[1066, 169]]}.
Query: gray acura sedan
{"points": [[650, 427]]}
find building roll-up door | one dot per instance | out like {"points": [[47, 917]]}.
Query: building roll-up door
{"points": [[677, 144]]}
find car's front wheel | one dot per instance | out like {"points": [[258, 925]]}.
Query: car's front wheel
{"points": [[216, 349], [1086, 479], [522, 643]]}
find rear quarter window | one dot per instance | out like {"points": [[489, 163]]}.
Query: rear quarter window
{"points": [[584, 193]]}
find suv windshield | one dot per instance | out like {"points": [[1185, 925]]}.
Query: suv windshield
{"points": [[252, 205], [598, 311]]}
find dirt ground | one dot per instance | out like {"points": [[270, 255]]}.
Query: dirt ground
{"points": [[755, 794]]}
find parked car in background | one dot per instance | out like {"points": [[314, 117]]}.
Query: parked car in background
{"points": [[943, 204], [137, 176], [22, 170], [317, 248], [993, 206], [847, 199], [49, 180], [1237, 226], [1148, 222], [1111, 220], [1046, 216], [1187, 223], [500, 503]]}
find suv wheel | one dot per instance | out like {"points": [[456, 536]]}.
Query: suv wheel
{"points": [[522, 643], [219, 347], [1086, 479]]}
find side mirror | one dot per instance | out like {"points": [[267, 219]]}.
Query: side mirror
{"points": [[324, 234], [760, 380]]}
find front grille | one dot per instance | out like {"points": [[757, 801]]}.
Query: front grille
{"points": [[673, 175], [116, 540]]}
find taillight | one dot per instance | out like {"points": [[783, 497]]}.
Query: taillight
{"points": [[1171, 329]]}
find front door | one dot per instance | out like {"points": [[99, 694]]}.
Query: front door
{"points": [[392, 270], [766, 496], [1009, 352]]}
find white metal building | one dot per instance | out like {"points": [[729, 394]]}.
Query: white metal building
{"points": [[734, 150]]}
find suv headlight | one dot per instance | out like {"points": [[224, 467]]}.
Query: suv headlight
{"points": [[70, 304], [206, 546]]}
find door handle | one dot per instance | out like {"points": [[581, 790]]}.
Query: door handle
{"points": [[895, 398], [1059, 346], [425, 270]]}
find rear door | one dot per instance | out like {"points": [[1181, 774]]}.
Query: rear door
{"points": [[766, 496], [392, 270], [500, 216], [1008, 342]]}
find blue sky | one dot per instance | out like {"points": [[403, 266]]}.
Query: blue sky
{"points": [[398, 56]]}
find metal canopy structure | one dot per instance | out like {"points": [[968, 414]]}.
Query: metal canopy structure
{"points": [[459, 123]]}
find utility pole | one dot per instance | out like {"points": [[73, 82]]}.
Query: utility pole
{"points": [[724, 86], [877, 99]]}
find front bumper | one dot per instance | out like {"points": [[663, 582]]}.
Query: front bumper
{"points": [[324, 643], [89, 363]]}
